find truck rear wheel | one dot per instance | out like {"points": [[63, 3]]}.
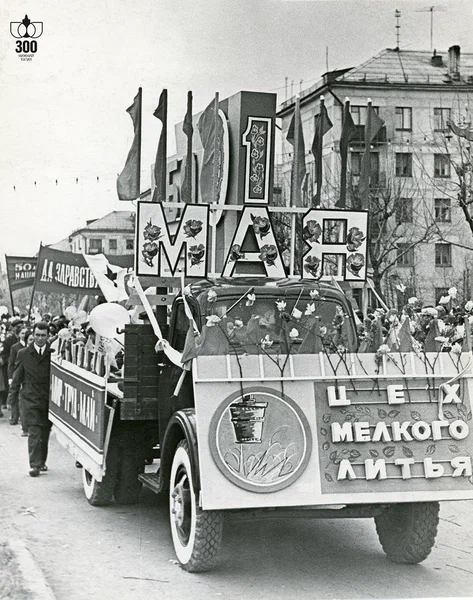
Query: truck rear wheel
{"points": [[98, 493], [407, 531], [196, 534]]}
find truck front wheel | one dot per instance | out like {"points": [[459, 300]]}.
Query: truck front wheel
{"points": [[407, 531], [196, 534]]}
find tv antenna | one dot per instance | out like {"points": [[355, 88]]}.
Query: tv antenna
{"points": [[397, 14], [431, 10]]}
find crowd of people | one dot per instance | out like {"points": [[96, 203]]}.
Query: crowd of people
{"points": [[25, 353]]}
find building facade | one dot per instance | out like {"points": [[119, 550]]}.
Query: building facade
{"points": [[113, 234], [413, 157]]}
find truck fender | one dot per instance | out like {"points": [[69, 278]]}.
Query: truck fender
{"points": [[182, 426]]}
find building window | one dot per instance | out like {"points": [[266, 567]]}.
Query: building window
{"points": [[405, 255], [403, 164], [441, 118], [404, 210], [95, 246], [112, 245], [443, 210], [358, 114], [443, 255], [441, 165], [356, 160], [130, 244], [403, 118]]}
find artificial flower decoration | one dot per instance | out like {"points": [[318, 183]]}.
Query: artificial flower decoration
{"points": [[266, 342], [310, 309], [281, 305], [452, 292], [212, 320], [314, 294], [294, 333], [250, 299], [211, 296]]}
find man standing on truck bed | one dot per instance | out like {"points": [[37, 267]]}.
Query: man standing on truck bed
{"points": [[32, 371]]}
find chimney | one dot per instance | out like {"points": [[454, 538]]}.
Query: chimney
{"points": [[436, 60], [454, 62]]}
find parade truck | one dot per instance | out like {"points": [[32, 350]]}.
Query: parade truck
{"points": [[254, 388]]}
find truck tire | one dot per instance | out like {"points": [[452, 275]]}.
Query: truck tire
{"points": [[127, 486], [407, 531], [98, 493], [196, 534]]}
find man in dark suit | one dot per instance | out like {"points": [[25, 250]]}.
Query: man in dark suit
{"points": [[15, 401], [10, 340], [32, 372]]}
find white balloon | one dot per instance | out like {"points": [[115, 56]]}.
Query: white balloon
{"points": [[70, 312], [106, 319], [80, 317], [3, 310]]}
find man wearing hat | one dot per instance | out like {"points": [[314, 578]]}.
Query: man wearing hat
{"points": [[12, 338]]}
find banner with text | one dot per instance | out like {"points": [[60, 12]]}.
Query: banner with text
{"points": [[66, 272], [21, 271]]}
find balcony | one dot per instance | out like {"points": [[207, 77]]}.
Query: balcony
{"points": [[359, 138]]}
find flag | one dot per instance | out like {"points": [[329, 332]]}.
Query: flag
{"points": [[188, 130], [128, 182], [110, 278], [372, 128], [348, 133], [322, 125], [160, 163], [211, 134], [295, 137]]}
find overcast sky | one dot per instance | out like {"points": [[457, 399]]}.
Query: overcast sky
{"points": [[63, 114]]}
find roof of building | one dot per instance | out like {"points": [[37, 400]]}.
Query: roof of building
{"points": [[408, 66], [397, 67], [117, 220]]}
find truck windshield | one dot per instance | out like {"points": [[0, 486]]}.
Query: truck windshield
{"points": [[296, 323]]}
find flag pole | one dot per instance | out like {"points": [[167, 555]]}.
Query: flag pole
{"points": [[188, 174], [344, 157], [34, 283], [320, 146], [9, 287], [214, 189]]}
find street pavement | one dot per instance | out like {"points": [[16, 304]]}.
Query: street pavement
{"points": [[126, 552]]}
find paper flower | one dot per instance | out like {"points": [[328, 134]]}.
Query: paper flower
{"points": [[401, 287], [384, 349], [251, 298], [444, 300], [314, 294], [212, 320], [266, 342], [211, 296], [412, 300], [452, 292], [238, 323], [310, 309], [293, 334], [296, 313], [192, 227], [456, 349], [355, 238], [281, 305], [469, 306]]}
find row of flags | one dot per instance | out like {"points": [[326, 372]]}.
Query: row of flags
{"points": [[128, 182], [323, 124]]}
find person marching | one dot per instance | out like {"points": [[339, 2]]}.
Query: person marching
{"points": [[32, 372]]}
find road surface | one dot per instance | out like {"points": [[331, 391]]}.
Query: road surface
{"points": [[125, 553]]}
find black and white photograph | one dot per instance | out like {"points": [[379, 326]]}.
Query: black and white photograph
{"points": [[236, 300]]}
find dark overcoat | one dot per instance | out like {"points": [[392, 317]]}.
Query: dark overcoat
{"points": [[13, 356], [32, 375]]}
